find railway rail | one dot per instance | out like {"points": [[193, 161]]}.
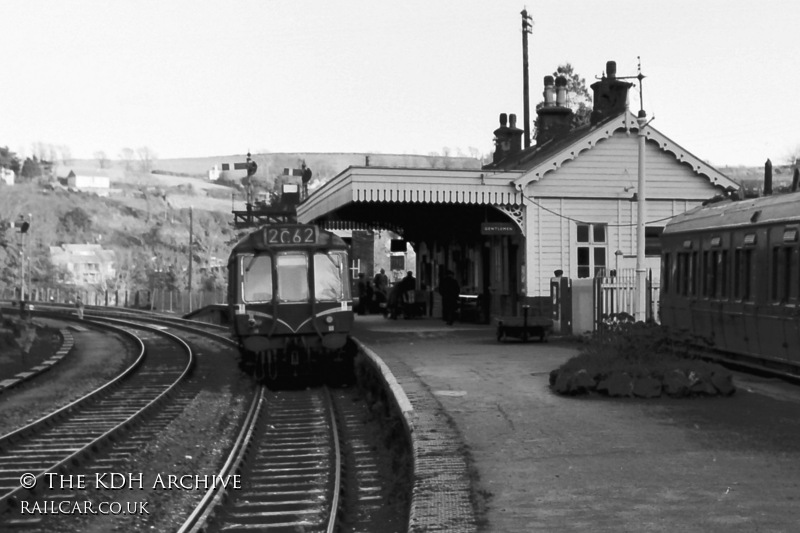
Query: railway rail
{"points": [[308, 462], [64, 438]]}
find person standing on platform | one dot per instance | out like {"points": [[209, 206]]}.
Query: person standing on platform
{"points": [[408, 294], [79, 306], [449, 290], [381, 282], [363, 304]]}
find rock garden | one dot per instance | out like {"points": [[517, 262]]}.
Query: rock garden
{"points": [[626, 359]]}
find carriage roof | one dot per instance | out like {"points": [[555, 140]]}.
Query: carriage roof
{"points": [[774, 209]]}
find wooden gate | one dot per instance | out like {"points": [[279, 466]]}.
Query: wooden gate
{"points": [[617, 294]]}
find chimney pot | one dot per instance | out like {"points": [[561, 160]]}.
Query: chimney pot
{"points": [[549, 92], [512, 121], [561, 91], [611, 69], [503, 119]]}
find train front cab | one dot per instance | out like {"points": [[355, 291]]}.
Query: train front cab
{"points": [[292, 309], [736, 287]]}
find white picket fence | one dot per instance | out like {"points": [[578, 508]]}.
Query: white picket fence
{"points": [[617, 294]]}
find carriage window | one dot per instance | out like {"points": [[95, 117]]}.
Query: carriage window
{"points": [[742, 267], [330, 276], [256, 275], [722, 269], [666, 273], [782, 290], [292, 277], [709, 267]]}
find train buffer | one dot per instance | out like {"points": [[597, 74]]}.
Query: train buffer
{"points": [[524, 327]]}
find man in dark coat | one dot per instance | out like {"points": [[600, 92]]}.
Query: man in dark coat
{"points": [[449, 291]]}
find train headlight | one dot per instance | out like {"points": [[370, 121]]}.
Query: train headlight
{"points": [[329, 319]]}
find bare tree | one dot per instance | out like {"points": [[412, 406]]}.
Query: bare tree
{"points": [[793, 155], [66, 154], [126, 156], [102, 160], [146, 158]]}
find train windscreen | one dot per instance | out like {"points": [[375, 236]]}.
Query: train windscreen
{"points": [[256, 276], [292, 277], [330, 276]]}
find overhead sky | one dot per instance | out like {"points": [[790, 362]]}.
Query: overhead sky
{"points": [[190, 78]]}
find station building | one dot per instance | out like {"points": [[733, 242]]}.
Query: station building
{"points": [[567, 204]]}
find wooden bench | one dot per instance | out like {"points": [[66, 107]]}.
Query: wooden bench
{"points": [[519, 328]]}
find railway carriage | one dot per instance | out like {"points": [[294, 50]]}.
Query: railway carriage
{"points": [[289, 299], [731, 274]]}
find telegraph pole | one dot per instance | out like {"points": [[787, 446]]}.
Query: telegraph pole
{"points": [[641, 213], [527, 24], [191, 246]]}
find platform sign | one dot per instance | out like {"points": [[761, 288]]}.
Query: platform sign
{"points": [[499, 228]]}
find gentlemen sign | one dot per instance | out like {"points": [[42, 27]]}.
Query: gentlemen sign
{"points": [[499, 228]]}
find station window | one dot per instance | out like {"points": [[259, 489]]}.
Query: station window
{"points": [[652, 240], [591, 250], [397, 262]]}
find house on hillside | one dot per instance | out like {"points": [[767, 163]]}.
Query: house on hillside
{"points": [[87, 264], [87, 181], [6, 176], [579, 186]]}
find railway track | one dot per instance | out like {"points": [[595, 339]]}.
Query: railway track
{"points": [[290, 458], [308, 462], [63, 439]]}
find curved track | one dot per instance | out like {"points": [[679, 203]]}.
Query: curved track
{"points": [[63, 438]]}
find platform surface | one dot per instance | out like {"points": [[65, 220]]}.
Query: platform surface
{"points": [[546, 462]]}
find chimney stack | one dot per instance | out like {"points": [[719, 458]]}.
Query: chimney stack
{"points": [[768, 178], [555, 117], [507, 139], [610, 94]]}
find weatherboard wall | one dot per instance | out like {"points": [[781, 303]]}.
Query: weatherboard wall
{"points": [[598, 187]]}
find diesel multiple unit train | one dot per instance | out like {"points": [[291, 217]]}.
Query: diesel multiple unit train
{"points": [[731, 274], [289, 301]]}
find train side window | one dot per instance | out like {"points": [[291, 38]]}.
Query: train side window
{"points": [[776, 278], [666, 273], [292, 269], [747, 270], [709, 268], [694, 272], [682, 283], [722, 278], [788, 291], [256, 276]]}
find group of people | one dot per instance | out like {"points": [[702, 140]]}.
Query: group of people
{"points": [[377, 296]]}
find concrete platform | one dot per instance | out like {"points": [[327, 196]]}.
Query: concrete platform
{"points": [[536, 461]]}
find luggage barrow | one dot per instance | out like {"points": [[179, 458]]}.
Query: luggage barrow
{"points": [[524, 328]]}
